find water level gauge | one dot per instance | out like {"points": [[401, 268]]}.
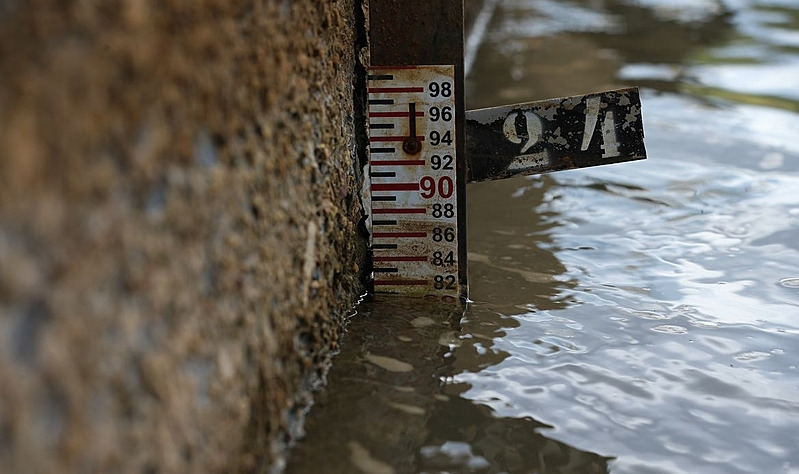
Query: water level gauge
{"points": [[424, 147], [412, 168]]}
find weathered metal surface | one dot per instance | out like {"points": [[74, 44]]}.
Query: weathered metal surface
{"points": [[554, 135], [418, 32], [408, 32]]}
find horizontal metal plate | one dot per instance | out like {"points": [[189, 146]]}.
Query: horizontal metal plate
{"points": [[554, 135]]}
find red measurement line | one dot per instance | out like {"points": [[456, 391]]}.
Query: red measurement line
{"points": [[394, 90], [398, 163], [392, 139], [395, 187], [401, 210], [401, 282], [400, 235], [394, 114], [400, 259]]}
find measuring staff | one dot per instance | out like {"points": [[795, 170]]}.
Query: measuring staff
{"points": [[424, 147]]}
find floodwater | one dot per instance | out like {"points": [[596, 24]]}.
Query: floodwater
{"points": [[634, 318]]}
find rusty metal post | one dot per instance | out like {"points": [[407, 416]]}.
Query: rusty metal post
{"points": [[424, 32]]}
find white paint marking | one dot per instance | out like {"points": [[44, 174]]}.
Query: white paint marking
{"points": [[610, 143], [534, 129], [533, 160], [591, 116]]}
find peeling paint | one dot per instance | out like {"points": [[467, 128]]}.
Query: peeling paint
{"points": [[555, 134]]}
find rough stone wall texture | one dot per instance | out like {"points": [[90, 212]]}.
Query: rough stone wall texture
{"points": [[178, 227]]}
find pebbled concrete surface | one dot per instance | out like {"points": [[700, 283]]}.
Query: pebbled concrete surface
{"points": [[178, 228]]}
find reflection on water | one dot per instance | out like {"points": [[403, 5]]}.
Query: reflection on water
{"points": [[391, 404], [635, 318]]}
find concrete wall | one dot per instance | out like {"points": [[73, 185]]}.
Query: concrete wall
{"points": [[178, 227]]}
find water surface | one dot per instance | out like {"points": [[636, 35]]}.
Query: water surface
{"points": [[636, 318]]}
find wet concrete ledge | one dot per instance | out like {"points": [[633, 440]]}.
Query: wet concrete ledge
{"points": [[178, 228]]}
